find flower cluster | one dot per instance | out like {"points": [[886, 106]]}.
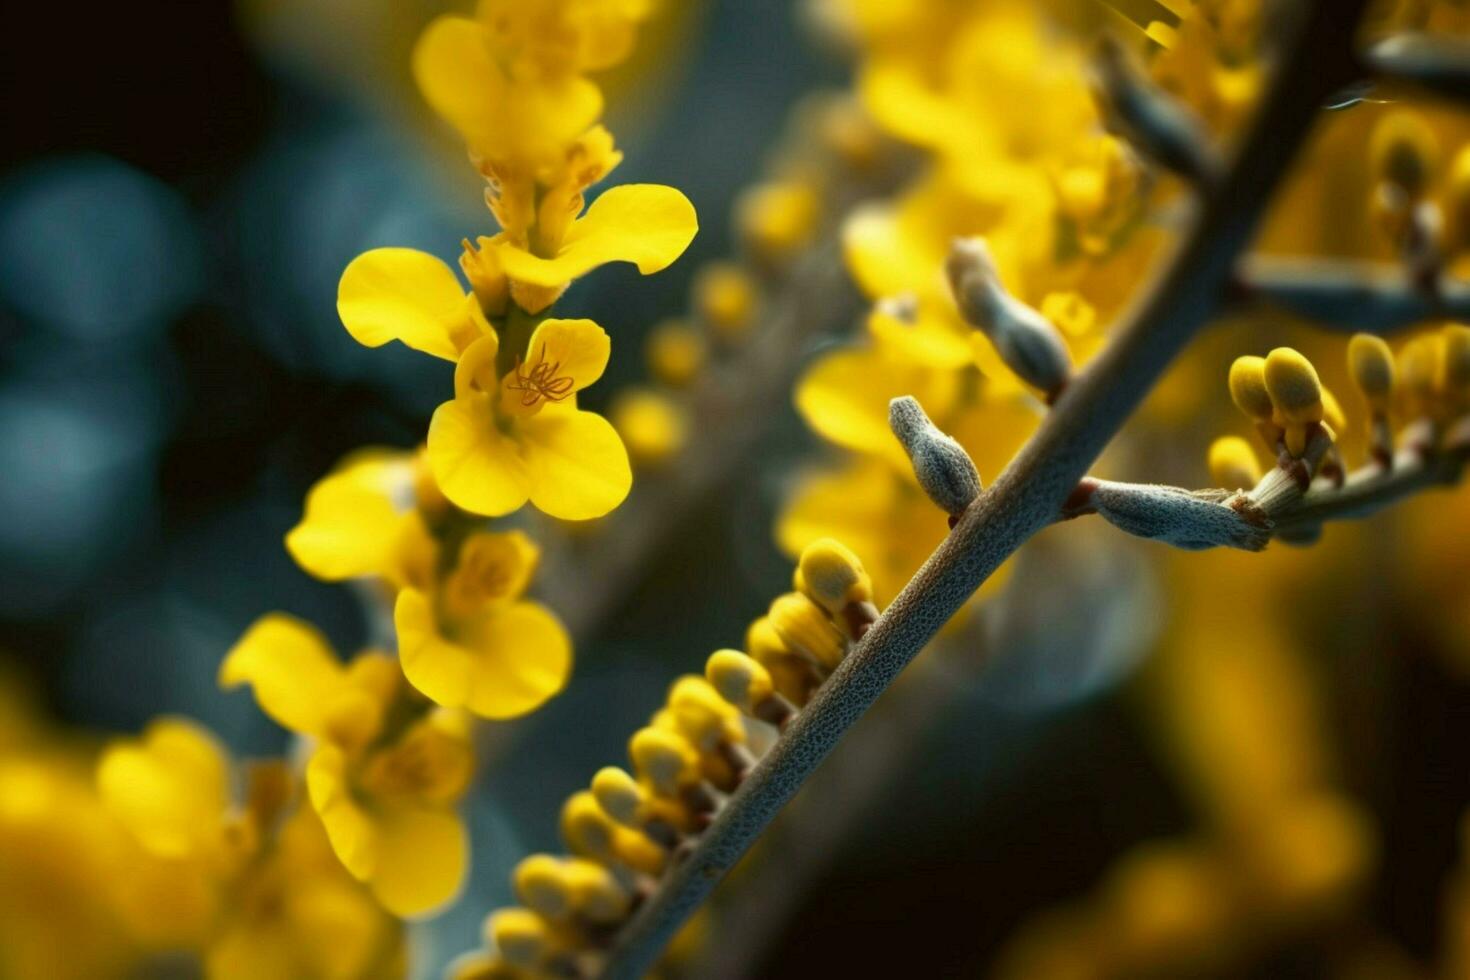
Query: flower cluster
{"points": [[513, 82], [626, 828]]}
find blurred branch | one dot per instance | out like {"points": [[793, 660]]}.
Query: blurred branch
{"points": [[1373, 488], [1350, 296], [1029, 493], [1439, 62]]}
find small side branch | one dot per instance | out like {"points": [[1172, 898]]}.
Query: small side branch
{"points": [[1350, 296]]}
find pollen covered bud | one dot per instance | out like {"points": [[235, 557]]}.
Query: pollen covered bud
{"points": [[1028, 343], [618, 794], [591, 833], [794, 677], [833, 577], [1233, 463], [675, 353], [704, 718], [540, 885], [1296, 394], [596, 895], [806, 630], [743, 682], [665, 759], [941, 465], [777, 219], [652, 425], [1248, 389], [520, 936], [1370, 362]]}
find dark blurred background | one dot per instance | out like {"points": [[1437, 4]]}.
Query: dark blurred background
{"points": [[178, 195]]}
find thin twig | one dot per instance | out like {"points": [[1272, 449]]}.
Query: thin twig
{"points": [[1369, 490], [1350, 296], [1031, 490]]}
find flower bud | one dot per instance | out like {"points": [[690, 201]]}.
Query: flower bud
{"points": [[520, 936], [805, 629], [1296, 394], [725, 299], [702, 716], [793, 677], [595, 893], [1233, 463], [539, 885], [653, 427], [618, 794], [1419, 367], [941, 465], [1028, 343], [665, 759], [738, 678], [585, 828], [833, 576], [1403, 151], [1178, 517], [777, 219], [1370, 362], [1248, 388], [675, 353]]}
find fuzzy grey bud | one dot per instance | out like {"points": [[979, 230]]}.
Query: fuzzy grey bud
{"points": [[1159, 127], [943, 468], [1028, 342], [1184, 519]]}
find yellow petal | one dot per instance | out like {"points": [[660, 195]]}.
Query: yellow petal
{"points": [[577, 466], [509, 662], [292, 668], [476, 368], [423, 855], [928, 340], [578, 348], [647, 224], [476, 466], [403, 294], [499, 118], [844, 397], [169, 787], [353, 837], [352, 518]]}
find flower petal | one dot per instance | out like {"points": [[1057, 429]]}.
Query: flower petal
{"points": [[423, 855], [579, 348], [647, 224], [510, 661], [352, 518], [292, 668], [844, 397], [523, 656], [169, 788], [351, 832], [476, 467], [407, 295], [578, 467]]}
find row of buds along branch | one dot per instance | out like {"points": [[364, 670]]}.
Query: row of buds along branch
{"points": [[631, 826]]}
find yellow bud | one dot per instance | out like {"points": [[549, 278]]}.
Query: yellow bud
{"points": [[653, 427], [1370, 362], [1457, 203], [618, 794], [596, 894], [776, 220], [1404, 151], [1248, 388], [789, 673], [1294, 388], [665, 759], [1332, 412], [725, 299], [738, 678], [805, 628], [675, 353], [540, 885], [585, 828], [520, 935], [832, 576], [764, 643], [1418, 366], [702, 716], [1233, 463], [1454, 366]]}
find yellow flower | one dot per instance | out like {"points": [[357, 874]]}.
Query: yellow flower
{"points": [[359, 521], [648, 225], [520, 436], [384, 775], [481, 646]]}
